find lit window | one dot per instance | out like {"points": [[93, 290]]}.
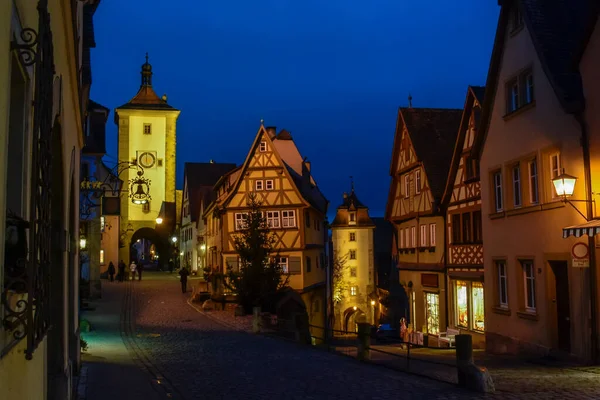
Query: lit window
{"points": [[259, 185], [462, 307], [273, 219], [432, 313], [477, 305], [529, 282], [102, 223], [282, 262], [353, 290], [101, 256], [269, 184], [432, 235], [423, 236], [241, 221], [147, 129], [288, 219], [353, 254], [418, 181], [516, 175], [263, 146], [533, 182], [352, 236]]}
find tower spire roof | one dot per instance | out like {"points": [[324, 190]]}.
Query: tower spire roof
{"points": [[146, 97]]}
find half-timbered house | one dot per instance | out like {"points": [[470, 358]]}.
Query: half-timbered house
{"points": [[295, 209], [421, 155], [464, 252]]}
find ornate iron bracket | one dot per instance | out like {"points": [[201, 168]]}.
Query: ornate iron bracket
{"points": [[28, 48]]}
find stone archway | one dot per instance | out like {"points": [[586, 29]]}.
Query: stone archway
{"points": [[160, 243], [352, 316]]}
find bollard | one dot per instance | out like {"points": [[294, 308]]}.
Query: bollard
{"points": [[363, 352], [464, 357], [256, 320]]}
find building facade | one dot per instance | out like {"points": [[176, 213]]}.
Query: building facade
{"points": [[198, 182], [464, 244], [421, 157], [533, 130], [354, 278], [146, 139], [295, 209], [43, 65]]}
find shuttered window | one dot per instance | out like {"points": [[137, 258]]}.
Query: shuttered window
{"points": [[295, 265], [232, 262]]}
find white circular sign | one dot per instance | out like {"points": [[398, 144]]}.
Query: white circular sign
{"points": [[580, 250]]}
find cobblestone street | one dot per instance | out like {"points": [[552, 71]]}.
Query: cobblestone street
{"points": [[189, 355]]}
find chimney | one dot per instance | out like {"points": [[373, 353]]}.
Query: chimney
{"points": [[307, 165], [272, 131], [164, 97]]}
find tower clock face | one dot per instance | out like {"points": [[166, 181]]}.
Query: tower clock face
{"points": [[147, 160]]}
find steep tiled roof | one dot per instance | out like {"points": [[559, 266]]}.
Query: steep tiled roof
{"points": [[308, 190], [146, 99], [201, 176], [351, 201], [433, 133]]}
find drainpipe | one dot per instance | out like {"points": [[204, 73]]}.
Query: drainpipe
{"points": [[585, 144]]}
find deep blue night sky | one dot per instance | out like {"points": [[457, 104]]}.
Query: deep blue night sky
{"points": [[331, 72]]}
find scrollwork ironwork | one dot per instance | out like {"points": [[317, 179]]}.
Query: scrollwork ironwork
{"points": [[27, 46]]}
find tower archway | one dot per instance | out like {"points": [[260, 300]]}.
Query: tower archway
{"points": [[352, 316], [148, 247]]}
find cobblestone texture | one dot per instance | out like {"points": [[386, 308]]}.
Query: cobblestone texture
{"points": [[206, 359]]}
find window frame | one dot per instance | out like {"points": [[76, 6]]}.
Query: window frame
{"points": [[554, 171], [240, 221], [423, 235], [352, 254], [262, 147], [533, 181], [283, 262], [406, 186], [418, 181], [285, 219], [258, 185], [352, 237], [498, 190], [147, 128], [413, 236], [353, 290], [269, 184], [502, 276], [529, 282], [456, 226], [516, 186], [432, 235], [274, 217]]}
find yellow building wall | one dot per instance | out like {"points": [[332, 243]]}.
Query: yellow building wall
{"points": [[21, 378], [110, 242]]}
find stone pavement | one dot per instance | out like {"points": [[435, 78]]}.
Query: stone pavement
{"points": [[185, 354]]}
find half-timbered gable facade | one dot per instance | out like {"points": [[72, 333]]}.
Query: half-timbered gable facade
{"points": [[419, 168], [295, 209], [464, 253]]}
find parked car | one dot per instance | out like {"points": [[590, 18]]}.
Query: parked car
{"points": [[385, 332]]}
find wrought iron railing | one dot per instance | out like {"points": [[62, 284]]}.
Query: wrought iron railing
{"points": [[25, 292]]}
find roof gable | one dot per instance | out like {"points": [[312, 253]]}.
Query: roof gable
{"points": [[475, 97], [199, 178], [433, 134]]}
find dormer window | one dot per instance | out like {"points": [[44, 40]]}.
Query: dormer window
{"points": [[520, 91], [352, 217], [515, 20], [263, 146]]}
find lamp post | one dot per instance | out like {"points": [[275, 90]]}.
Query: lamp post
{"points": [[373, 308], [565, 187]]}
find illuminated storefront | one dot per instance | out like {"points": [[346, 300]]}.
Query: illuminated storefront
{"points": [[469, 305], [432, 312]]}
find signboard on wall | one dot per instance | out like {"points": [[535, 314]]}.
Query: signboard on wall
{"points": [[581, 255]]}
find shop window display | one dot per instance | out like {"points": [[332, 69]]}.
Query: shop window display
{"points": [[478, 306], [462, 304], [469, 305], [432, 309]]}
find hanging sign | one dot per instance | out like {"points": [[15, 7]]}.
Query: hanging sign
{"points": [[581, 255]]}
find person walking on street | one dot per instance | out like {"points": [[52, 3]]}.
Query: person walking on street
{"points": [[111, 271], [121, 274], [170, 266], [133, 268], [140, 269], [183, 274]]}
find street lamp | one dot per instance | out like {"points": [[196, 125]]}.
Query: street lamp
{"points": [[564, 184], [82, 242], [159, 220], [174, 239]]}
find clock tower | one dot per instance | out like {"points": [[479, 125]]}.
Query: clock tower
{"points": [[146, 136]]}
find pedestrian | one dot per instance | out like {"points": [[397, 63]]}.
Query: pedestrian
{"points": [[183, 273], [140, 269], [121, 274], [132, 268], [171, 266], [111, 271], [403, 332]]}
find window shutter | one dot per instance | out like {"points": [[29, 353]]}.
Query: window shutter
{"points": [[232, 262], [295, 265]]}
